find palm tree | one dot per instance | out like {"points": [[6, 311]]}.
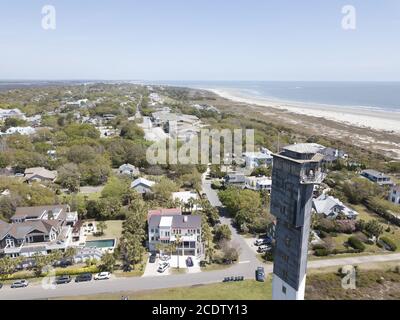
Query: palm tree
{"points": [[174, 246]]}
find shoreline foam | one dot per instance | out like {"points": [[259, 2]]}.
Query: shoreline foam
{"points": [[360, 117]]}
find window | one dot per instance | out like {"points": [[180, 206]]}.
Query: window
{"points": [[285, 275], [283, 289], [285, 257], [152, 230]]}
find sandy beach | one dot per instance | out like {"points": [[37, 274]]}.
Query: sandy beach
{"points": [[360, 117]]}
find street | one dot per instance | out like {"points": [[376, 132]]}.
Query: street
{"points": [[246, 268]]}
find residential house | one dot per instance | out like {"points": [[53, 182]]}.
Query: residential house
{"points": [[257, 159], [235, 179], [395, 194], [164, 229], [129, 170], [164, 212], [332, 208], [25, 131], [188, 200], [37, 230], [331, 155], [11, 113], [142, 185], [377, 177], [258, 183], [40, 174]]}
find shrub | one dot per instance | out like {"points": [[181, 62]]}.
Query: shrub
{"points": [[355, 243], [321, 252], [318, 246], [74, 271], [389, 243]]}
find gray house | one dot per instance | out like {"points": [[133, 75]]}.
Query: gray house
{"points": [[164, 229], [377, 177], [142, 185], [332, 208]]}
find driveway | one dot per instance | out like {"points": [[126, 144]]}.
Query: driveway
{"points": [[151, 269], [247, 255]]}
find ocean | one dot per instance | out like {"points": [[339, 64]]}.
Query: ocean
{"points": [[383, 96], [380, 96]]}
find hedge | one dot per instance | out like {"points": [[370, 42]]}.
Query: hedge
{"points": [[356, 243], [389, 243], [321, 252]]}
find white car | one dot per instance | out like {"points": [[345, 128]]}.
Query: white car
{"points": [[163, 266], [102, 276]]}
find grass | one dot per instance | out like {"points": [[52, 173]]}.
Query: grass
{"points": [[113, 231], [243, 290], [215, 266]]}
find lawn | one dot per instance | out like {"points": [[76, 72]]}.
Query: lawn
{"points": [[244, 290], [114, 230]]}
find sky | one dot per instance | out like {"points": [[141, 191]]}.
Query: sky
{"points": [[200, 40]]}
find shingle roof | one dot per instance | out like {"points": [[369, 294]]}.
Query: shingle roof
{"points": [[178, 221], [22, 212], [144, 181]]}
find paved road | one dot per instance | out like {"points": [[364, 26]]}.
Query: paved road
{"points": [[246, 267], [246, 254]]}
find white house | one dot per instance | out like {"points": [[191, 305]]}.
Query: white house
{"points": [[11, 113], [258, 183], [395, 194], [256, 159], [142, 185], [25, 131], [187, 199], [165, 229], [331, 208]]}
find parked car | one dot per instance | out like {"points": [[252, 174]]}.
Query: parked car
{"points": [[163, 266], [65, 263], [84, 277], [264, 248], [20, 284], [189, 262], [263, 241], [102, 276], [152, 258], [165, 257], [63, 279], [260, 274]]}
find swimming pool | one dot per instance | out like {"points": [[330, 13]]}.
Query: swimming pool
{"points": [[104, 243]]}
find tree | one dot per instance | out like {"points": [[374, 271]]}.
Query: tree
{"points": [[107, 262], [7, 265], [69, 253], [163, 190], [41, 261], [262, 171], [222, 232], [374, 228], [101, 226], [115, 188], [69, 177]]}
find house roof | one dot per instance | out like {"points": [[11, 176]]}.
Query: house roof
{"points": [[177, 221], [163, 212], [324, 204], [37, 212], [127, 166], [40, 171], [143, 181], [375, 173]]}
